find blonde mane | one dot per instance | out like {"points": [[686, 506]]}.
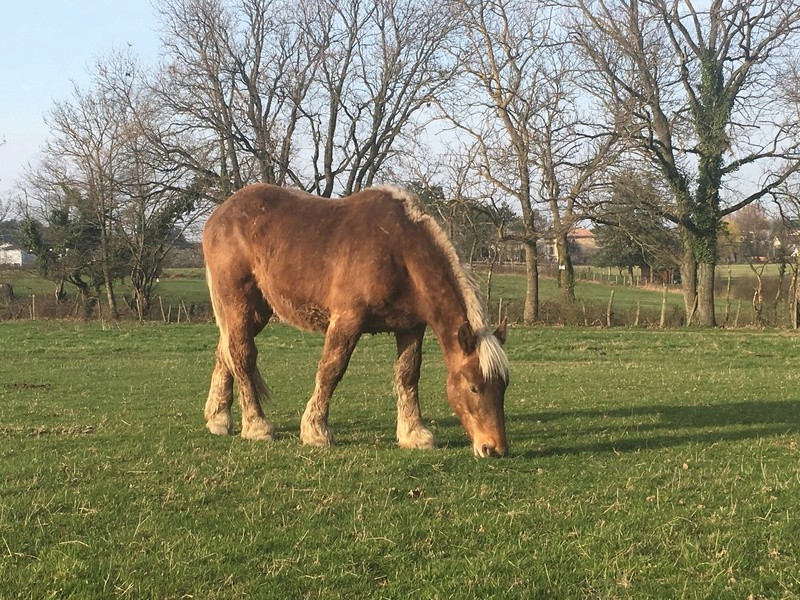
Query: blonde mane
{"points": [[491, 356]]}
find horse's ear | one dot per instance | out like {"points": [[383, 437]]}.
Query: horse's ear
{"points": [[467, 338], [501, 331]]}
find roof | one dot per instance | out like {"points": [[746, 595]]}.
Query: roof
{"points": [[580, 232]]}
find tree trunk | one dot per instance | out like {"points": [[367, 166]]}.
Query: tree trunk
{"points": [[705, 316], [647, 274], [490, 275], [108, 282], [531, 311], [688, 274], [60, 293], [84, 294], [566, 272], [112, 299]]}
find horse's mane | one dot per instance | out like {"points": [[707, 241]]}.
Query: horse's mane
{"points": [[491, 356]]}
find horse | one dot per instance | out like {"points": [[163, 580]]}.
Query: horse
{"points": [[373, 262]]}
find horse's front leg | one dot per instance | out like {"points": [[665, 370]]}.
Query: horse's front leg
{"points": [[340, 340], [411, 432]]}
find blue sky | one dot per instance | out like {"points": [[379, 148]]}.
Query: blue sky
{"points": [[45, 45]]}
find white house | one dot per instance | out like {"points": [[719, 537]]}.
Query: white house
{"points": [[12, 255]]}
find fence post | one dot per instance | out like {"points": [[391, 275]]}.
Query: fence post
{"points": [[185, 311], [609, 309]]}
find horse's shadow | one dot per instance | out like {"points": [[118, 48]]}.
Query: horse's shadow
{"points": [[637, 428], [625, 429]]}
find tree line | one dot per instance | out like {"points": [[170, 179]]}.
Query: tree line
{"points": [[514, 119]]}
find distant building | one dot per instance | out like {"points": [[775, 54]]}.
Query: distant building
{"points": [[582, 245], [13, 255]]}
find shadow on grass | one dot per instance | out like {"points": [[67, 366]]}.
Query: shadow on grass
{"points": [[638, 428], [622, 429]]}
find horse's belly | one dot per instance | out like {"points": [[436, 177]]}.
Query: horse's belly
{"points": [[381, 304], [303, 315]]}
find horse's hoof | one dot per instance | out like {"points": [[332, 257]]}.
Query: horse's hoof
{"points": [[220, 424], [418, 439], [258, 431], [320, 438]]}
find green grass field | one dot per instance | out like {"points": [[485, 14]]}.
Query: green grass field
{"points": [[644, 464], [182, 288]]}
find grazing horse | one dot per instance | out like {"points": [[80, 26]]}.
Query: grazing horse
{"points": [[369, 263]]}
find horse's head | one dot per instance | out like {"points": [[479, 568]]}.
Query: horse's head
{"points": [[476, 387]]}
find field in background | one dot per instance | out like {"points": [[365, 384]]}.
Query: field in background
{"points": [[183, 291], [634, 303], [645, 464]]}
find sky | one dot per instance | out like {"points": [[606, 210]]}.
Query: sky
{"points": [[45, 46]]}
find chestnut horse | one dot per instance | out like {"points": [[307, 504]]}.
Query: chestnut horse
{"points": [[369, 263]]}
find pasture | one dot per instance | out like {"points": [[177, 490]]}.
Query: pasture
{"points": [[186, 287], [644, 464]]}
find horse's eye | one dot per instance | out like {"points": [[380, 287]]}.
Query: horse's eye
{"points": [[473, 389]]}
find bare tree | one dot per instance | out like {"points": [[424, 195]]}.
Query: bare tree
{"points": [[332, 34], [381, 64], [235, 75], [158, 200], [105, 173], [694, 91], [319, 94], [500, 45], [5, 209], [534, 140], [573, 151], [84, 154]]}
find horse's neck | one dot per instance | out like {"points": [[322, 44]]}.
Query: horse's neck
{"points": [[448, 314], [440, 297]]}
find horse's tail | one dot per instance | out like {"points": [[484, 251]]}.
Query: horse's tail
{"points": [[224, 349], [262, 389]]}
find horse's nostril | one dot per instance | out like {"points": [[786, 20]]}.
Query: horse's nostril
{"points": [[488, 450]]}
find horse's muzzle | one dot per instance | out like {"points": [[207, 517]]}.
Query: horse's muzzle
{"points": [[488, 451]]}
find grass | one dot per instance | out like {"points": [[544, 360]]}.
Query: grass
{"points": [[186, 288], [26, 282], [644, 464], [734, 308], [591, 305]]}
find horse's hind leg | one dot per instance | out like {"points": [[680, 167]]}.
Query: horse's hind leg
{"points": [[220, 397], [252, 388], [240, 317], [340, 340], [411, 432]]}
